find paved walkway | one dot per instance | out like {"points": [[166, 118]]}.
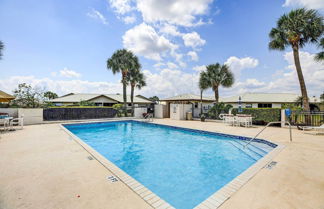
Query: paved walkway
{"points": [[41, 167]]}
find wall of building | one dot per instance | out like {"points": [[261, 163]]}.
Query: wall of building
{"points": [[254, 105], [13, 112], [31, 115], [102, 99], [138, 112], [160, 111], [206, 107], [179, 111]]}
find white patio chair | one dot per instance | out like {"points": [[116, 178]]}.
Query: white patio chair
{"points": [[5, 122], [246, 121], [19, 122], [230, 120]]}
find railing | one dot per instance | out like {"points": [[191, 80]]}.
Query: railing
{"points": [[285, 122], [148, 117], [307, 118]]}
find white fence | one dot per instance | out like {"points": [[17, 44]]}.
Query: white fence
{"points": [[31, 115]]}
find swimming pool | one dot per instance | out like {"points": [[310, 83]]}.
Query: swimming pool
{"points": [[182, 166]]}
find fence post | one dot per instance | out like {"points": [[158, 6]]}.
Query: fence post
{"points": [[283, 118]]}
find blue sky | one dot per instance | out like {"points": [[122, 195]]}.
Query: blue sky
{"points": [[63, 46]]}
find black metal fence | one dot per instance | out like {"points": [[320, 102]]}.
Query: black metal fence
{"points": [[52, 114], [307, 118]]}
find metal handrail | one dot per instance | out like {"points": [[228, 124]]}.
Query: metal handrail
{"points": [[148, 117], [285, 122]]}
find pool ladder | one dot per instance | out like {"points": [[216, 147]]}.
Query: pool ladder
{"points": [[270, 123], [148, 117]]}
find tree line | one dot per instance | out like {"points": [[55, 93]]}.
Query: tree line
{"points": [[293, 30]]}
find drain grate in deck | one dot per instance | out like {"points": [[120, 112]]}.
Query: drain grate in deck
{"points": [[112, 178], [271, 165]]}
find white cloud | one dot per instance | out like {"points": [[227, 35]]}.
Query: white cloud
{"points": [[143, 40], [69, 73], [193, 40], [170, 82], [311, 4], [129, 19], [121, 6], [286, 80], [238, 64], [199, 68], [170, 30], [167, 83], [61, 87], [193, 55], [178, 12], [172, 65], [95, 14]]}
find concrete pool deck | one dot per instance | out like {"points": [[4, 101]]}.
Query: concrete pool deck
{"points": [[41, 167]]}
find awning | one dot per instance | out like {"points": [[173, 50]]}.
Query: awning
{"points": [[4, 97]]}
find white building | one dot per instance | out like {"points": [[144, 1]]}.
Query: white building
{"points": [[265, 100], [178, 106], [99, 99]]}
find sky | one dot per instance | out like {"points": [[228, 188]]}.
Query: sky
{"points": [[63, 46]]}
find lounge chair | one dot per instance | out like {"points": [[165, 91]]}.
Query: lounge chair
{"points": [[17, 122], [317, 129]]}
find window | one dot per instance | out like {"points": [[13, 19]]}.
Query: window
{"points": [[265, 105], [248, 106]]}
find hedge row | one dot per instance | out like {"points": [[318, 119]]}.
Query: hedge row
{"points": [[77, 113], [261, 116]]}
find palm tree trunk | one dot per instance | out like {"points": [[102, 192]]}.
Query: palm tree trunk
{"points": [[201, 109], [124, 81], [132, 98], [216, 94], [301, 78]]}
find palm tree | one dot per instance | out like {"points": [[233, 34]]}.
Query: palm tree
{"points": [[203, 85], [320, 55], [1, 49], [299, 27], [122, 61], [136, 79], [219, 75]]}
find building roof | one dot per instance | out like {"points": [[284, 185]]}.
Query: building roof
{"points": [[187, 97], [265, 98], [4, 97], [77, 97]]}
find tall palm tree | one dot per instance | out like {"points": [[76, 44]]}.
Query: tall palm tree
{"points": [[1, 49], [122, 61], [203, 85], [296, 29], [136, 80], [219, 75], [320, 55]]}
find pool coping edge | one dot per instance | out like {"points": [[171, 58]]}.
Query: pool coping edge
{"points": [[142, 191]]}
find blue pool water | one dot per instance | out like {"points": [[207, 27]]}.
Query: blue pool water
{"points": [[182, 166]]}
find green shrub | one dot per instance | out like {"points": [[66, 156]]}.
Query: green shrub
{"points": [[261, 116], [218, 109], [119, 108]]}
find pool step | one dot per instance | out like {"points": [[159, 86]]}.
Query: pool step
{"points": [[254, 155], [262, 146], [254, 147]]}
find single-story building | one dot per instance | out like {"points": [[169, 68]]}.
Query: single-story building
{"points": [[99, 100], [266, 100], [5, 98], [189, 101], [176, 107]]}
